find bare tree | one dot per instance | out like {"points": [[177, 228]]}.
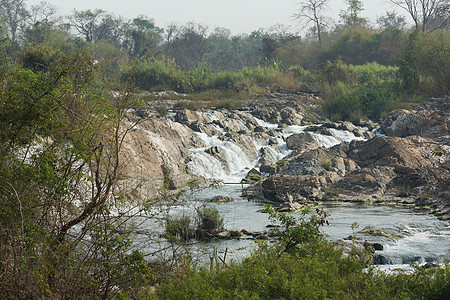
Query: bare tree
{"points": [[425, 13], [44, 13], [92, 25], [311, 12], [14, 14], [171, 31]]}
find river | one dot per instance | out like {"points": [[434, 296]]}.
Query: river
{"points": [[419, 237]]}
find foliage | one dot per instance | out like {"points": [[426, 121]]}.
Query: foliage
{"points": [[209, 220], [179, 228], [326, 164], [296, 233], [342, 104], [426, 58], [59, 161], [183, 228], [315, 270]]}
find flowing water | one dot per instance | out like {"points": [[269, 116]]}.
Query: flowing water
{"points": [[419, 237]]}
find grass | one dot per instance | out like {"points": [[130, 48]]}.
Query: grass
{"points": [[326, 164]]}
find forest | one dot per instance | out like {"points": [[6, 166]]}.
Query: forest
{"points": [[68, 82]]}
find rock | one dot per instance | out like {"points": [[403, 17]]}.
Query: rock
{"points": [[269, 169], [302, 142], [268, 156], [290, 116], [377, 246], [376, 231], [221, 199], [384, 151], [320, 130], [224, 235], [259, 129], [380, 259], [430, 119], [350, 247], [290, 207], [253, 175], [230, 125], [187, 117], [219, 154], [149, 150], [272, 141], [364, 184]]}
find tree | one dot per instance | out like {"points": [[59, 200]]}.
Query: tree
{"points": [[96, 25], [143, 35], [44, 13], [426, 57], [189, 46], [351, 17], [13, 14], [311, 12], [426, 14], [391, 19], [60, 136]]}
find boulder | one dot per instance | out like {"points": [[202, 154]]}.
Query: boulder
{"points": [[430, 119], [376, 231], [302, 141], [186, 116], [219, 154], [290, 207], [377, 247], [268, 156], [253, 175], [221, 199]]}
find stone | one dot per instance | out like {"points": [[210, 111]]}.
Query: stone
{"points": [[377, 246], [267, 156], [221, 199], [376, 231], [429, 119], [302, 142]]}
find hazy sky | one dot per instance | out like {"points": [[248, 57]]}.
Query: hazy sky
{"points": [[241, 16]]}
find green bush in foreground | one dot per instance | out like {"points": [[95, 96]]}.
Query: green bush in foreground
{"points": [[311, 268]]}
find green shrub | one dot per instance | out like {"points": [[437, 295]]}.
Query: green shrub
{"points": [[156, 74], [209, 220], [179, 228], [326, 164], [230, 104], [342, 104]]}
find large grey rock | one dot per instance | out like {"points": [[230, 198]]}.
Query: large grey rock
{"points": [[430, 119], [268, 156], [302, 142]]}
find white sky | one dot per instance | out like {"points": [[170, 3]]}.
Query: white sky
{"points": [[241, 16]]}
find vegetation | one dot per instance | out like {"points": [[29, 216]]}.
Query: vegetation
{"points": [[183, 228], [301, 265], [66, 85]]}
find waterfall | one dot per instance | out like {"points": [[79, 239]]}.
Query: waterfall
{"points": [[204, 164]]}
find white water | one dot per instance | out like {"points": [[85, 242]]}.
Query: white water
{"points": [[201, 163]]}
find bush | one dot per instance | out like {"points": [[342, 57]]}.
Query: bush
{"points": [[307, 267], [179, 228], [209, 220], [326, 164], [154, 74], [342, 104]]}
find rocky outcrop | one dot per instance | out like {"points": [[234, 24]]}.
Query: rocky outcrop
{"points": [[301, 142], [430, 119], [153, 156], [376, 231], [379, 169]]}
